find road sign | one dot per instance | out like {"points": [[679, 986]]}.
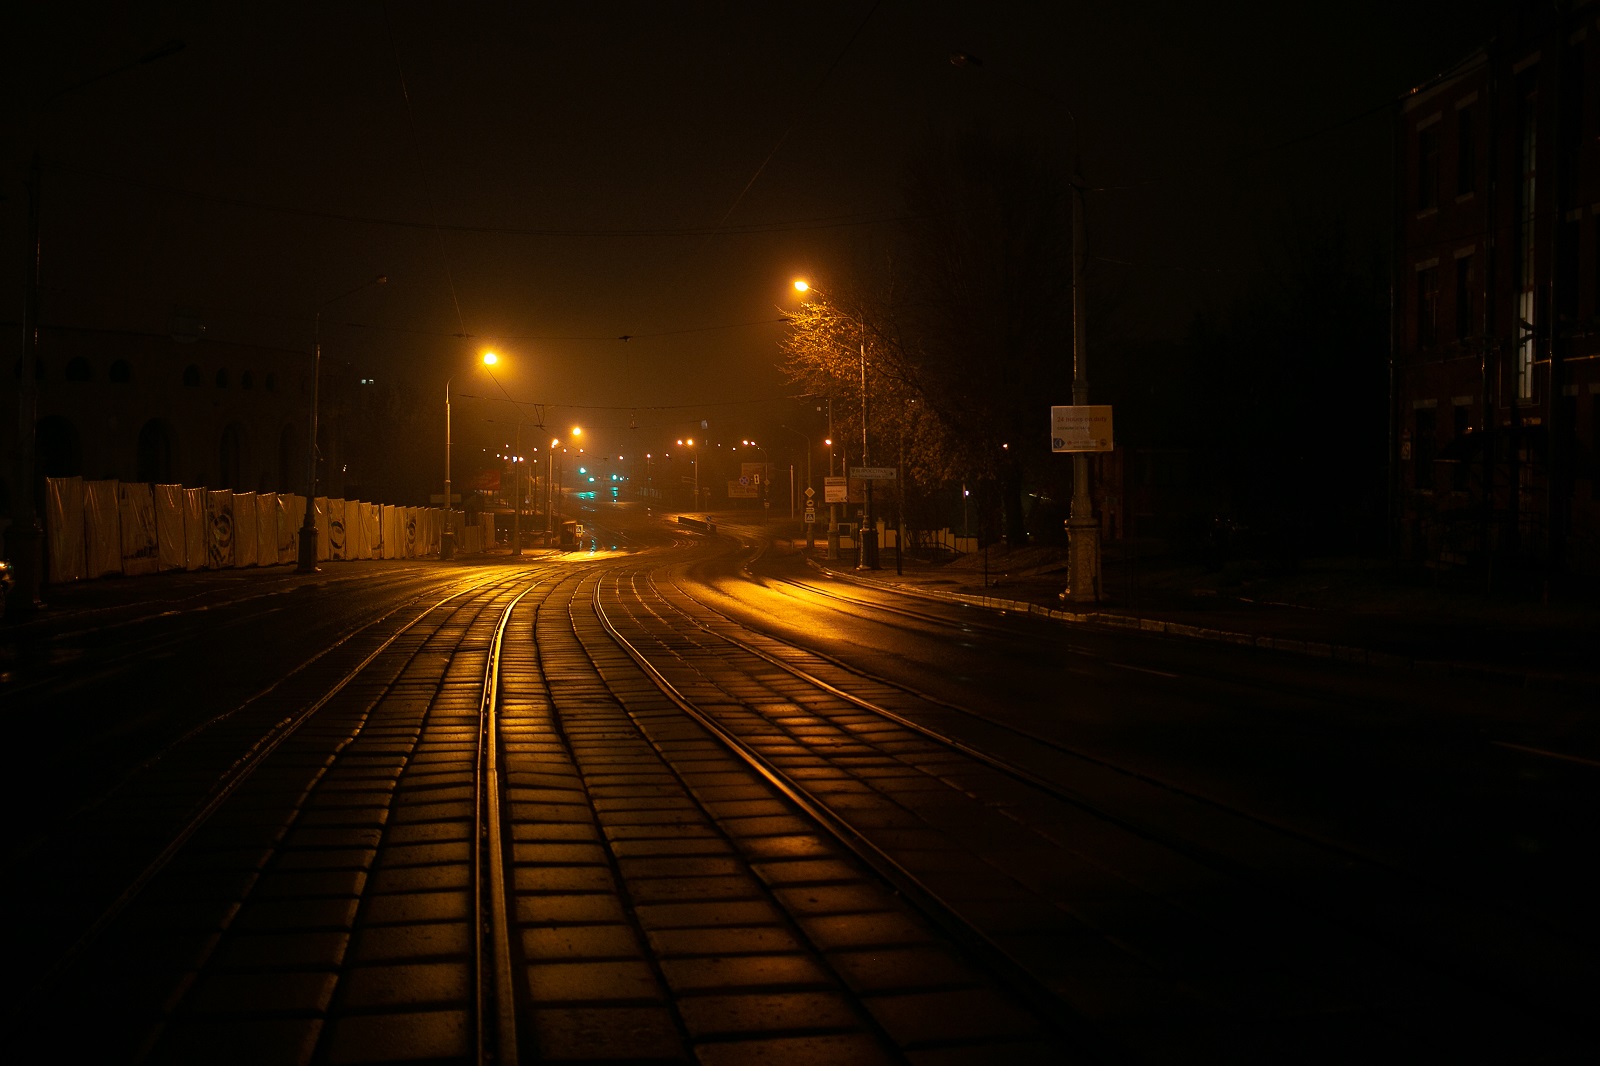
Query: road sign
{"points": [[811, 514], [837, 489], [810, 492], [872, 473], [1080, 429]]}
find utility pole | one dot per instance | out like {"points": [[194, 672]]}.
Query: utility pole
{"points": [[1083, 532]]}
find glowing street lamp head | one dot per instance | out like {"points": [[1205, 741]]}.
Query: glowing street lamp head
{"points": [[801, 286], [576, 431], [490, 359]]}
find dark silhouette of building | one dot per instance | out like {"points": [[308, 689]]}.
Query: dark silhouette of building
{"points": [[1496, 348], [155, 408]]}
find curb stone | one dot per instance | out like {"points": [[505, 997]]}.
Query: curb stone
{"points": [[1370, 658]]}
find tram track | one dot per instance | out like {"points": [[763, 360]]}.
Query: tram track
{"points": [[342, 694], [1017, 977], [586, 812], [120, 784], [1202, 833], [696, 827]]}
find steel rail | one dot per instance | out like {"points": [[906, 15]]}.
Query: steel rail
{"points": [[196, 731], [1012, 973], [234, 777], [1422, 947], [498, 1002]]}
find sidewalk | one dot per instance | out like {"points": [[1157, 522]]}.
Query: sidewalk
{"points": [[1347, 609]]}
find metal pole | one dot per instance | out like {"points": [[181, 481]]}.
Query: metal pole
{"points": [[516, 487], [1083, 533], [25, 537], [307, 553], [867, 552], [900, 502], [447, 539], [833, 508], [549, 484], [306, 556]]}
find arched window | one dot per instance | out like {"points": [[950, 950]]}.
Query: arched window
{"points": [[121, 372], [191, 376], [228, 458], [58, 448], [222, 378], [78, 369], [154, 461], [291, 458]]}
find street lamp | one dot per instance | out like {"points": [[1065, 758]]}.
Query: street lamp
{"points": [[867, 554], [694, 461], [447, 539], [306, 556], [551, 498]]}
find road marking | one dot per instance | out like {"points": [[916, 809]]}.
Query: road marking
{"points": [[1141, 669], [1547, 754]]}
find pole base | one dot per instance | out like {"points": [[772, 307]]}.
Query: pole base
{"points": [[25, 548], [306, 557], [447, 545], [869, 549], [1083, 561]]}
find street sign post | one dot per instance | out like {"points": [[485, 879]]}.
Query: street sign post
{"points": [[1080, 429]]}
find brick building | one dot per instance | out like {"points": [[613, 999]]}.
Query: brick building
{"points": [[1496, 348]]}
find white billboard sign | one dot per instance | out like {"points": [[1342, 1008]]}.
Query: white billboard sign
{"points": [[1080, 429]]}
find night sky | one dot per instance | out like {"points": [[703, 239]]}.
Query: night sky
{"points": [[545, 179]]}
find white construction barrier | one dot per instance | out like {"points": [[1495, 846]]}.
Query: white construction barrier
{"points": [[136, 509], [93, 528]]}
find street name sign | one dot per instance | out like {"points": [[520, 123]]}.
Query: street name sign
{"points": [[1080, 429], [872, 473], [836, 490]]}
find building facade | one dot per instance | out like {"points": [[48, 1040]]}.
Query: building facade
{"points": [[1496, 348], [154, 408]]}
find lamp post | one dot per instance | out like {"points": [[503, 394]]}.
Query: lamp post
{"points": [[833, 508], [807, 439], [515, 461], [447, 539], [867, 553], [694, 461], [766, 461], [306, 555], [24, 536], [549, 482], [1083, 532], [551, 497]]}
